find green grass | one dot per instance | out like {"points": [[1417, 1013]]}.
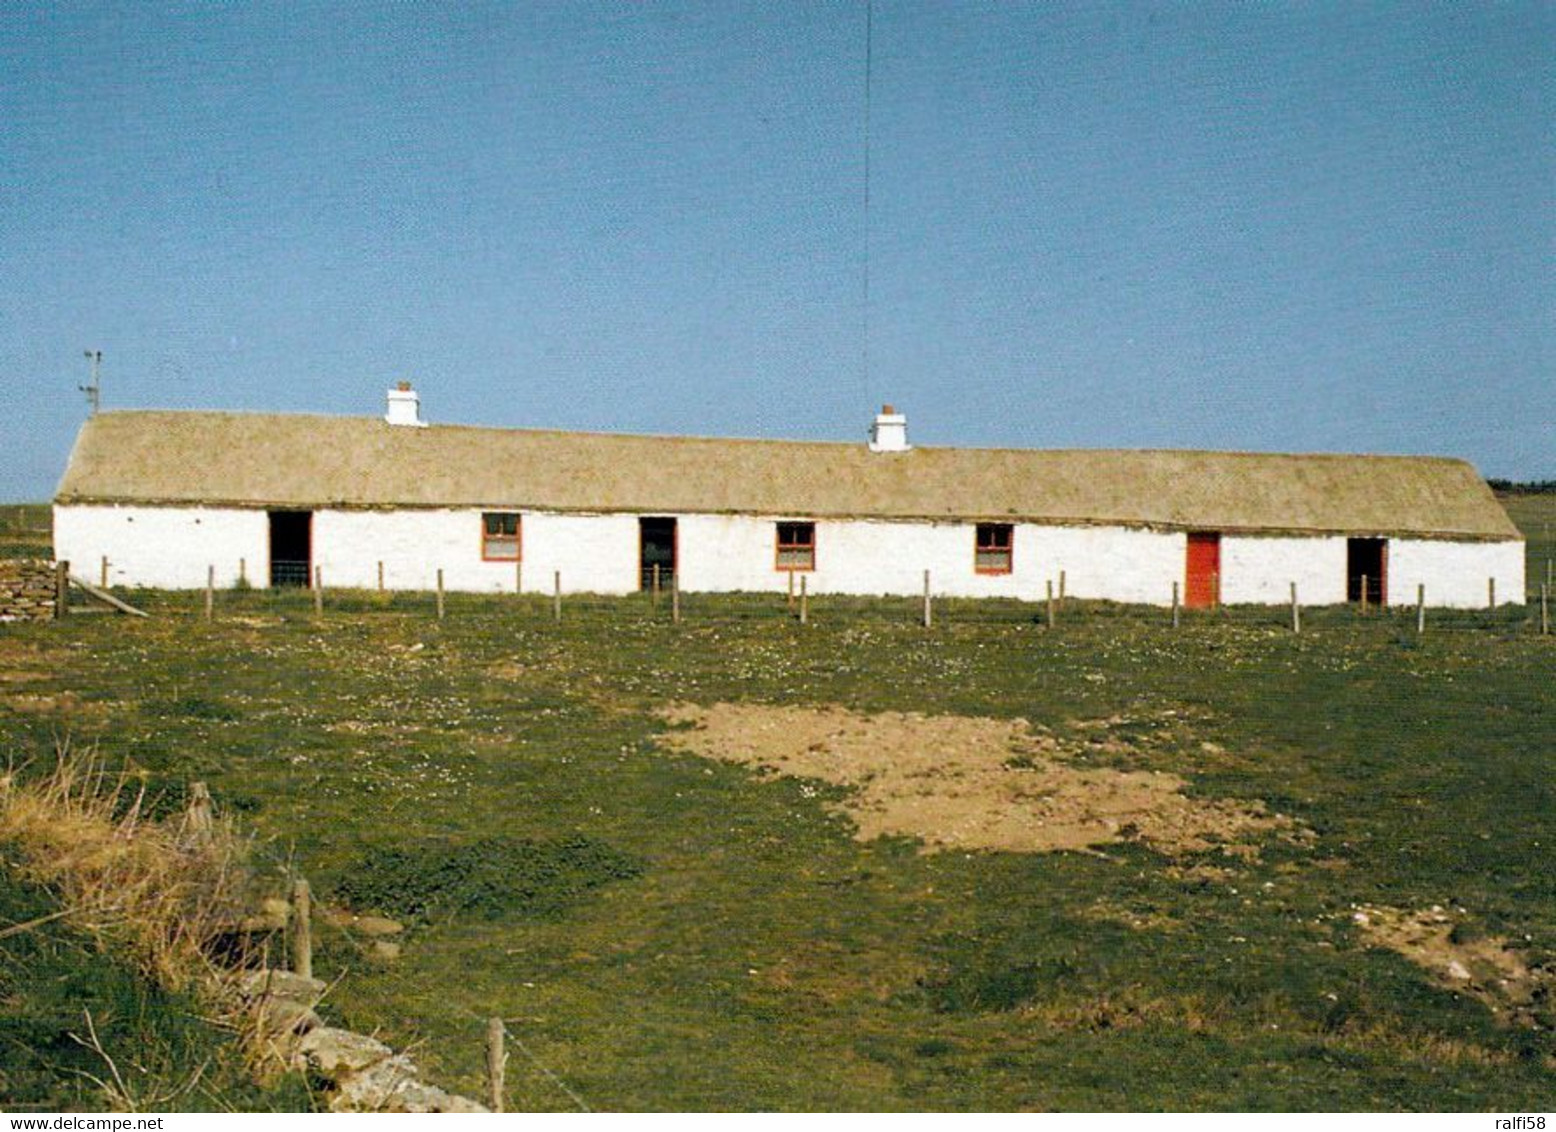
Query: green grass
{"points": [[25, 530], [721, 941], [1535, 516], [165, 1055]]}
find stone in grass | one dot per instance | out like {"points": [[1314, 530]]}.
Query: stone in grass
{"points": [[384, 951], [378, 1090], [280, 984], [373, 1088], [417, 1096], [371, 1077], [335, 1054], [281, 1016], [377, 926]]}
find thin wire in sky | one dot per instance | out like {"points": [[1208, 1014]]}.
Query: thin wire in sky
{"points": [[869, 51]]}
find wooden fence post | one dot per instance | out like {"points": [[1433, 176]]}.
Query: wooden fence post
{"points": [[440, 593], [654, 589], [804, 602], [1491, 593], [61, 588], [1050, 603], [318, 589], [197, 820], [380, 576], [675, 597], [302, 929], [518, 577], [104, 576], [1061, 587], [791, 590], [929, 613], [1296, 611], [556, 596], [1175, 605], [1420, 608], [210, 592], [243, 571], [1364, 595], [496, 1062]]}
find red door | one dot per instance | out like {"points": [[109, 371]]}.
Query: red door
{"points": [[1203, 584]]}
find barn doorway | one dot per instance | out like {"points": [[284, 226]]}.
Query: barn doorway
{"points": [[1202, 574], [1367, 558], [291, 548], [656, 542]]}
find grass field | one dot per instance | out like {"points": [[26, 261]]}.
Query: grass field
{"points": [[1536, 517], [664, 930], [25, 530], [52, 978]]}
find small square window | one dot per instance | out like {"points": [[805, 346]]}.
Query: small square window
{"points": [[796, 546], [993, 548], [500, 540]]}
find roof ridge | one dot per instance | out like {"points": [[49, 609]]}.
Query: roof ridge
{"points": [[300, 460], [519, 430]]}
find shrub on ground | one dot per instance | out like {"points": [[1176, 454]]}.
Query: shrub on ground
{"points": [[492, 877]]}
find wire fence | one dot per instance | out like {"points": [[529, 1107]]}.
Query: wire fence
{"points": [[666, 604]]}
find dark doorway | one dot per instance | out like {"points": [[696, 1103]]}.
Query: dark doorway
{"points": [[1202, 581], [657, 542], [1367, 558], [291, 548]]}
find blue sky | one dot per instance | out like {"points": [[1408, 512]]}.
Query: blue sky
{"points": [[1300, 227]]}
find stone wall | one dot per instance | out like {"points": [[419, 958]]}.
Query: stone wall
{"points": [[26, 589]]}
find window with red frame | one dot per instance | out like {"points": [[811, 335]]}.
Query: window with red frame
{"points": [[992, 551], [796, 546], [500, 541]]}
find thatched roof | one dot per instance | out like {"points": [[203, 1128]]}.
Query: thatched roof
{"points": [[273, 460]]}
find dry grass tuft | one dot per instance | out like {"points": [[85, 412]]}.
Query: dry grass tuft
{"points": [[155, 891]]}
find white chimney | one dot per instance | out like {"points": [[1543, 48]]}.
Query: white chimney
{"points": [[404, 406], [889, 433]]}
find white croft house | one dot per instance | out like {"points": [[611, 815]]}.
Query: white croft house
{"points": [[370, 502]]}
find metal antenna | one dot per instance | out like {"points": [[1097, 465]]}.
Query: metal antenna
{"points": [[94, 391], [869, 61]]}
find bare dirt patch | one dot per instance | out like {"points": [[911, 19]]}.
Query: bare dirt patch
{"points": [[959, 782], [1484, 967]]}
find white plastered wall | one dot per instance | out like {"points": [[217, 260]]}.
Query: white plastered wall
{"points": [[170, 547], [595, 553], [1260, 570], [1456, 574], [163, 547], [722, 553]]}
